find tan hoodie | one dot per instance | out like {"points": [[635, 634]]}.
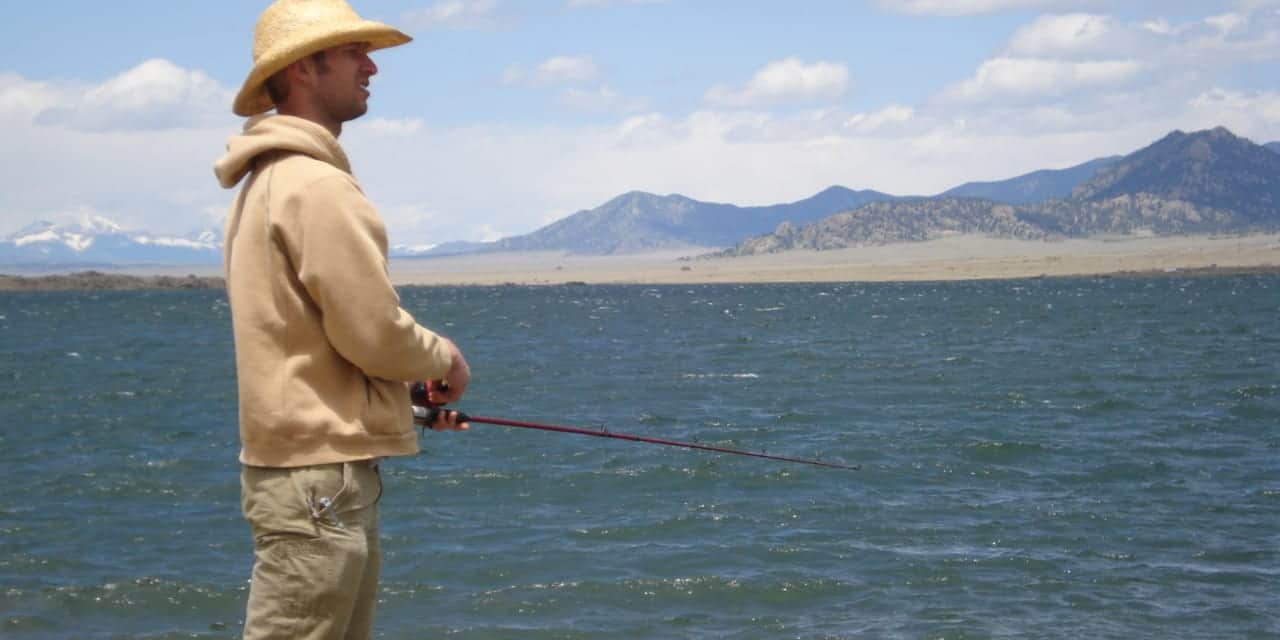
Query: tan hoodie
{"points": [[323, 348]]}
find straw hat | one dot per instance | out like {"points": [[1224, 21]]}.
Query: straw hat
{"points": [[289, 30]]}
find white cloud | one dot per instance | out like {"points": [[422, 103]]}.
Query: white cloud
{"points": [[458, 14], [1255, 113], [155, 95], [600, 99], [1063, 35], [890, 118], [565, 69], [555, 70], [1005, 78], [1159, 26], [643, 130], [21, 100], [410, 221], [1078, 56], [573, 70], [389, 126], [1248, 35], [785, 81], [1227, 22]]}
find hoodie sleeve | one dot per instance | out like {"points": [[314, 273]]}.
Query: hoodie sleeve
{"points": [[340, 258]]}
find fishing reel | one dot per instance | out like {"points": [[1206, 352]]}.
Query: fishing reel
{"points": [[425, 413], [418, 395]]}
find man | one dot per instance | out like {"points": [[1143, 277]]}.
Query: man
{"points": [[323, 348]]}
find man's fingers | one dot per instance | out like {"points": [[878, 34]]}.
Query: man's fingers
{"points": [[448, 421]]}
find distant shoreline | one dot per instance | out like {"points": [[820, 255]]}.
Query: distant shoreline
{"points": [[100, 281], [958, 257], [945, 259], [86, 282]]}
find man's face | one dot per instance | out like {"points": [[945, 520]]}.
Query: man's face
{"points": [[343, 89]]}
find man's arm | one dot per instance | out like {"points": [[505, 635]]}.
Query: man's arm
{"points": [[340, 258]]}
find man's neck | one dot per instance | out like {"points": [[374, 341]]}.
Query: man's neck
{"points": [[310, 114]]}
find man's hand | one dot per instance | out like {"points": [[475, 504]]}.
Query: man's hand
{"points": [[448, 421], [442, 392], [454, 384]]}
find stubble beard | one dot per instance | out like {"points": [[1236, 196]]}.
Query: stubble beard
{"points": [[348, 109]]}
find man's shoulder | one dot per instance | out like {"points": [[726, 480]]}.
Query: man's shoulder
{"points": [[299, 174], [301, 165]]}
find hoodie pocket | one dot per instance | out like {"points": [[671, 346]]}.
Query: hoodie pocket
{"points": [[387, 407]]}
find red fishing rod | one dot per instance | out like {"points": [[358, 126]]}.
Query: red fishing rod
{"points": [[425, 415]]}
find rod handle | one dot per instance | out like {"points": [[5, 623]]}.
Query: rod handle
{"points": [[427, 416]]}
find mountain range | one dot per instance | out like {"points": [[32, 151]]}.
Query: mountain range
{"points": [[1203, 182], [97, 241], [638, 221], [1208, 181], [1037, 186]]}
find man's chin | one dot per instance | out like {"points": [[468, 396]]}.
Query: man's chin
{"points": [[357, 111]]}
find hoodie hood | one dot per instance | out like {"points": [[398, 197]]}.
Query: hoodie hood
{"points": [[276, 133]]}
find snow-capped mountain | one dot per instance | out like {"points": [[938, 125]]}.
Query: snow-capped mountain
{"points": [[95, 240], [410, 250]]}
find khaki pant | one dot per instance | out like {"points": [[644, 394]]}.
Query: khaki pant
{"points": [[316, 555]]}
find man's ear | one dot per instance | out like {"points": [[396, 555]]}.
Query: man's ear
{"points": [[302, 71]]}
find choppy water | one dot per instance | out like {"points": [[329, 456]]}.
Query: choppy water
{"points": [[1044, 458]]}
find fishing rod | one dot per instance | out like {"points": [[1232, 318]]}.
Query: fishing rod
{"points": [[425, 415]]}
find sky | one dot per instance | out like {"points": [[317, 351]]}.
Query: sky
{"points": [[503, 116]]}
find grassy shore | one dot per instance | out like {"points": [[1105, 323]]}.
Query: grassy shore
{"points": [[951, 258], [101, 281]]}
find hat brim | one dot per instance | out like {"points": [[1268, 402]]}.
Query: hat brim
{"points": [[253, 98]]}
